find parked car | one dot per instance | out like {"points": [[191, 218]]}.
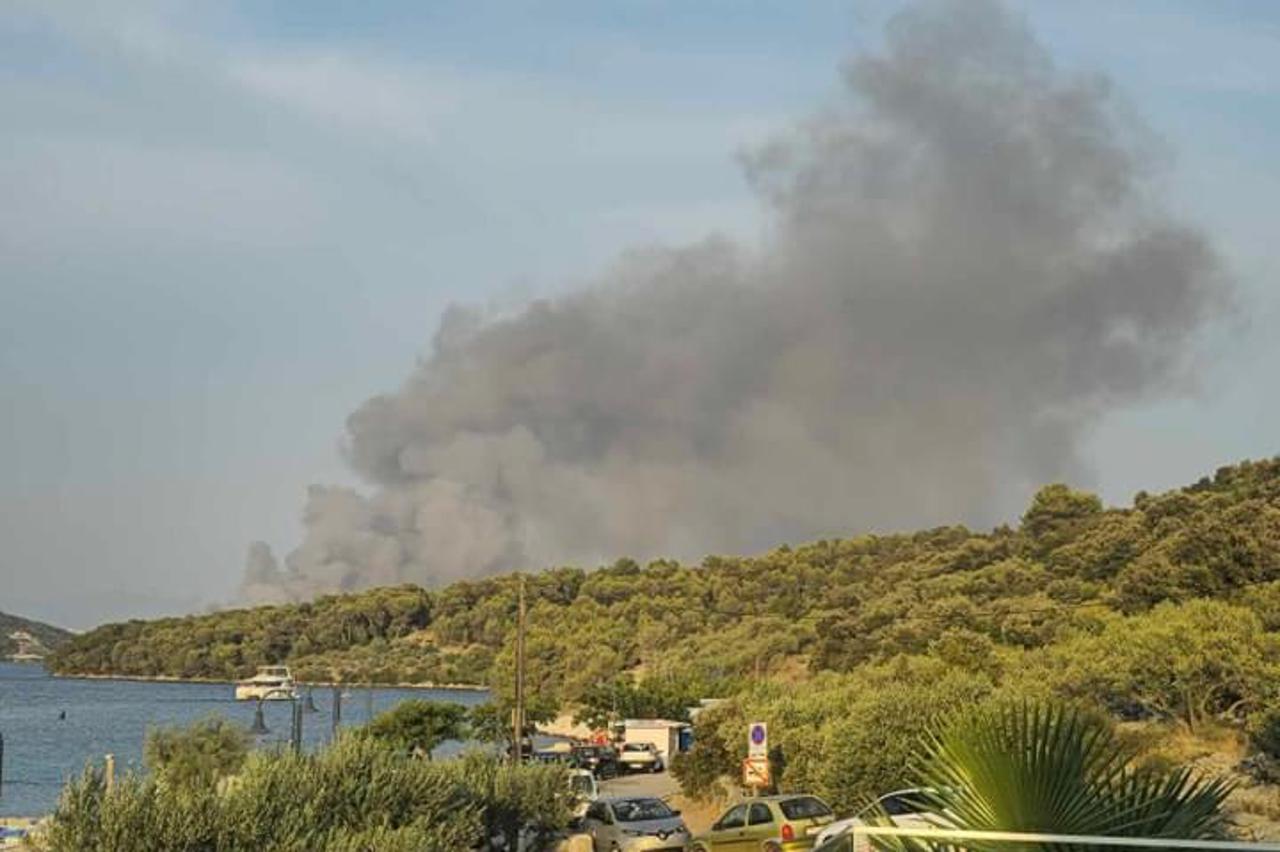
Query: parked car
{"points": [[585, 790], [602, 760], [769, 823], [554, 758], [904, 808], [640, 757], [631, 824]]}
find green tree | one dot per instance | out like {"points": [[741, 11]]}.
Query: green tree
{"points": [[418, 726], [1056, 513], [491, 722], [1180, 661], [622, 698], [200, 754]]}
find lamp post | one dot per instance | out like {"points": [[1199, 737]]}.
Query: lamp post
{"points": [[295, 718]]}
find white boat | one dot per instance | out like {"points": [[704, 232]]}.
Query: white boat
{"points": [[271, 683]]}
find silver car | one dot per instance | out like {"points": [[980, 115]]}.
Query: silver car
{"points": [[633, 823]]}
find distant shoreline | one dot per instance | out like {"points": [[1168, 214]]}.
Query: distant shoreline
{"points": [[455, 687]]}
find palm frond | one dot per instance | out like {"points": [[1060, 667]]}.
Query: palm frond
{"points": [[1052, 768]]}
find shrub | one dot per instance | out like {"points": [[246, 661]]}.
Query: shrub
{"points": [[1264, 731], [206, 751], [358, 794]]}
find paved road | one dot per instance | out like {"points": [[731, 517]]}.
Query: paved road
{"points": [[659, 784]]}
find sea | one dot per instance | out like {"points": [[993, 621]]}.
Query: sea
{"points": [[53, 727]]}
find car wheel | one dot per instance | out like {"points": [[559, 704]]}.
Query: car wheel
{"points": [[771, 846]]}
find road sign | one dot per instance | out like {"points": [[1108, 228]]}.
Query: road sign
{"points": [[758, 739], [755, 772]]}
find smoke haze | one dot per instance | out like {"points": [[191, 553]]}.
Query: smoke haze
{"points": [[965, 269]]}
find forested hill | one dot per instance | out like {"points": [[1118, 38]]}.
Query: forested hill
{"points": [[46, 634], [1069, 566]]}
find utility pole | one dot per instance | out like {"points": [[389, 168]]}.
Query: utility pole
{"points": [[517, 721]]}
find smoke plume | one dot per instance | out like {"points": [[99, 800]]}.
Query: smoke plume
{"points": [[965, 269]]}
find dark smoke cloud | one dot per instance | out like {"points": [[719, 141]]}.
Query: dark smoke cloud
{"points": [[965, 270]]}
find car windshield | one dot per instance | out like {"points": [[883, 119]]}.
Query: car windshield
{"points": [[581, 784], [805, 807], [904, 803], [639, 810], [635, 747]]}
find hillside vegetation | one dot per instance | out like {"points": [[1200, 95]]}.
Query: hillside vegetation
{"points": [[1062, 578], [1164, 616], [46, 634]]}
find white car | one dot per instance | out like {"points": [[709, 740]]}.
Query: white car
{"points": [[642, 757], [585, 790], [632, 824], [905, 809]]}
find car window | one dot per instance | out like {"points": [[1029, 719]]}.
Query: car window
{"points": [[804, 807], [759, 814], [735, 818], [898, 804], [893, 806], [597, 812], [639, 810]]}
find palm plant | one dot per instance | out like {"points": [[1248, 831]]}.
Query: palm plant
{"points": [[1051, 768]]}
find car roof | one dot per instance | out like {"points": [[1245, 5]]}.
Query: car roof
{"points": [[612, 800]]}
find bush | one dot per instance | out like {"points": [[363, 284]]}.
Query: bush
{"points": [[201, 754], [1190, 662], [358, 794], [1264, 731]]}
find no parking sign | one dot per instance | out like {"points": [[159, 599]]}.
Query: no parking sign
{"points": [[755, 772]]}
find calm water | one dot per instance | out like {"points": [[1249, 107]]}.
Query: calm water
{"points": [[111, 716]]}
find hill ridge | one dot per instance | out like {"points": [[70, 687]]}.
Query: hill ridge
{"points": [[832, 604]]}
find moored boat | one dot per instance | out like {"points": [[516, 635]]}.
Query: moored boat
{"points": [[271, 683]]}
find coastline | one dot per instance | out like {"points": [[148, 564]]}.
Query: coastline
{"points": [[455, 687]]}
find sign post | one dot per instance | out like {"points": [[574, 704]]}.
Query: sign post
{"points": [[755, 773], [755, 769]]}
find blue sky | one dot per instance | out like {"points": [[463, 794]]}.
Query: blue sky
{"points": [[223, 227]]}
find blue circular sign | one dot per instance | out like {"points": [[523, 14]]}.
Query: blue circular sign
{"points": [[757, 734]]}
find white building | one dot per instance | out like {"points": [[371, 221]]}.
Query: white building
{"points": [[664, 734]]}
